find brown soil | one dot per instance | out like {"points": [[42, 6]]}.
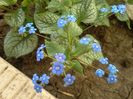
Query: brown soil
{"points": [[117, 43]]}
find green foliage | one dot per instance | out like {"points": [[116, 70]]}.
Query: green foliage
{"points": [[16, 18], [77, 66], [130, 1], [86, 11], [53, 48], [7, 2], [16, 45], [102, 18], [46, 22], [122, 17]]}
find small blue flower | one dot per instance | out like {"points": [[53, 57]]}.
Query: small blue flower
{"points": [[60, 57], [61, 22], [21, 30], [103, 60], [114, 9], [29, 25], [121, 8], [38, 88], [40, 53], [71, 18], [96, 47], [35, 78], [44, 79], [104, 10], [69, 80], [85, 40], [112, 69], [57, 68], [32, 30], [112, 79], [99, 72]]}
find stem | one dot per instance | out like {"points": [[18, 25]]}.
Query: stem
{"points": [[42, 36]]}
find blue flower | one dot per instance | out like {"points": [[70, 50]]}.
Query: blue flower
{"points": [[112, 79], [44, 79], [60, 57], [71, 18], [32, 30], [38, 88], [112, 69], [57, 68], [96, 47], [22, 30], [121, 8], [104, 10], [40, 53], [61, 22], [99, 72], [103, 60], [85, 40], [29, 25], [35, 78], [69, 80], [114, 9]]}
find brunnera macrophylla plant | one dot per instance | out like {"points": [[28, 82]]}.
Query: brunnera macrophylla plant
{"points": [[62, 22]]}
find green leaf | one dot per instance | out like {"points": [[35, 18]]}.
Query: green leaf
{"points": [[40, 6], [130, 1], [16, 18], [46, 22], [88, 55], [85, 11], [7, 2], [102, 18], [53, 48], [122, 17], [73, 29], [26, 3], [77, 66], [16, 45]]}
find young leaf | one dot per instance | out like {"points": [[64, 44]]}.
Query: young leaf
{"points": [[7, 2], [73, 29], [46, 22], [122, 17], [16, 45], [77, 66], [16, 18], [53, 48]]}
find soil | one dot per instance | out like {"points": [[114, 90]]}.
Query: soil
{"points": [[117, 44]]}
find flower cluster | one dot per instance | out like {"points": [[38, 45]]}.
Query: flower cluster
{"points": [[112, 77], [39, 82], [40, 53], [27, 28], [63, 20], [121, 8]]}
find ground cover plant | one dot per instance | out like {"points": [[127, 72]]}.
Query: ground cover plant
{"points": [[60, 23]]}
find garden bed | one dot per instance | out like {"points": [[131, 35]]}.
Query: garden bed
{"points": [[117, 44]]}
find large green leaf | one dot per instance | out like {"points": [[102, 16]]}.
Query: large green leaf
{"points": [[46, 22], [7, 2], [77, 66], [15, 19], [86, 11], [53, 48], [16, 45]]}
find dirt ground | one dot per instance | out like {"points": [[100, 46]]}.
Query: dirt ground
{"points": [[117, 44]]}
